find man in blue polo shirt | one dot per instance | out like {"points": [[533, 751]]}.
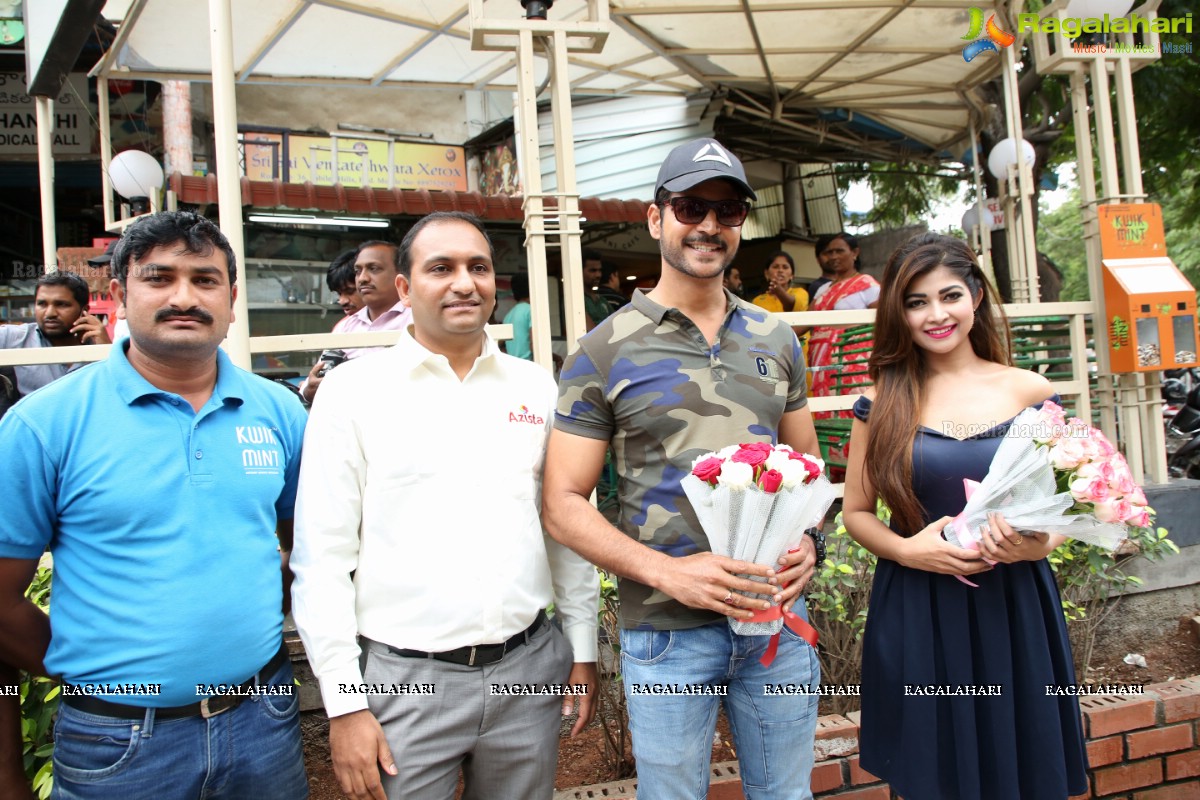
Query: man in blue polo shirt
{"points": [[166, 628]]}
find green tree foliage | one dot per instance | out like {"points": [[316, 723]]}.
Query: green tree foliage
{"points": [[1169, 127], [1060, 237]]}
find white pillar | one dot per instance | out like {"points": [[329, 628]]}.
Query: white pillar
{"points": [[44, 107], [229, 184]]}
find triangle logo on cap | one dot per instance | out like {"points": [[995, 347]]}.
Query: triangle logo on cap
{"points": [[713, 152]]}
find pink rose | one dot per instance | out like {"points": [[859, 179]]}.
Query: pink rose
{"points": [[763, 446], [708, 470], [771, 481], [1121, 479], [1103, 445], [753, 456], [1138, 497], [1106, 511], [1089, 490], [1141, 519], [1067, 454], [1053, 412], [1123, 510], [814, 467], [814, 470]]}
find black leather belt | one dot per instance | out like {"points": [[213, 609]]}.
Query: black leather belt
{"points": [[478, 655], [208, 707]]}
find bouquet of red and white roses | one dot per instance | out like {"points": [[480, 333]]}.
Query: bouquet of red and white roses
{"points": [[754, 502], [1055, 475]]}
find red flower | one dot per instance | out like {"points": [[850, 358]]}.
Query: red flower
{"points": [[810, 466], [751, 454], [708, 470], [771, 481], [761, 446]]}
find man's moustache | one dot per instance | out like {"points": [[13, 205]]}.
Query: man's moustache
{"points": [[198, 314]]}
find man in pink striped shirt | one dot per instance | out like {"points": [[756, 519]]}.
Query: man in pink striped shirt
{"points": [[376, 265]]}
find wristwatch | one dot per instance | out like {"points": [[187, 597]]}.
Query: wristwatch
{"points": [[819, 543]]}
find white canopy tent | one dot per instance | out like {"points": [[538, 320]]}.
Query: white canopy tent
{"points": [[806, 79]]}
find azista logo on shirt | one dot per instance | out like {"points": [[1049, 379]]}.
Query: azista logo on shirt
{"points": [[258, 456], [525, 415]]}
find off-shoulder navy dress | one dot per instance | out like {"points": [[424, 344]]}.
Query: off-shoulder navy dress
{"points": [[928, 633]]}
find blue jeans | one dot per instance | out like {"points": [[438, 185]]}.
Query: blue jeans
{"points": [[673, 734], [251, 752]]}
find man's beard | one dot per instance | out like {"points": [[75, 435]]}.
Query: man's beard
{"points": [[677, 258]]}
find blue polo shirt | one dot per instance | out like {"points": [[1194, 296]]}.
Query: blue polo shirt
{"points": [[161, 521]]}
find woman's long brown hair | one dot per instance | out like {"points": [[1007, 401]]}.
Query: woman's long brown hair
{"points": [[898, 370]]}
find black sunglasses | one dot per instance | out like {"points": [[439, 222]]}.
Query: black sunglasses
{"points": [[693, 210]]}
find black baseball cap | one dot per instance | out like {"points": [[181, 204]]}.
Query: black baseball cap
{"points": [[698, 161], [101, 260]]}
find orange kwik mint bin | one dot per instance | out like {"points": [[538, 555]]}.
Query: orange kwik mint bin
{"points": [[1150, 308]]}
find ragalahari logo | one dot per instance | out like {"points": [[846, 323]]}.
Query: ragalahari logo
{"points": [[995, 35]]}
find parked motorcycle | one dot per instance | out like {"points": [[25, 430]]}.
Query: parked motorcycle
{"points": [[1183, 437]]}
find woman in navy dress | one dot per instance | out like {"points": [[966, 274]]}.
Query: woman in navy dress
{"points": [[959, 684]]}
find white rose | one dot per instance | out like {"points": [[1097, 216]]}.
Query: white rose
{"points": [[725, 452], [777, 460], [793, 472], [736, 475]]}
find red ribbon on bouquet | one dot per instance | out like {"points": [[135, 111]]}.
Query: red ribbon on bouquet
{"points": [[797, 624], [958, 523]]}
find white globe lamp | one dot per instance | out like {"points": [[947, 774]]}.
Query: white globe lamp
{"points": [[1005, 153], [136, 175], [970, 219]]}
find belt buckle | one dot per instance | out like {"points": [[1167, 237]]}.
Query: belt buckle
{"points": [[471, 659], [224, 703]]}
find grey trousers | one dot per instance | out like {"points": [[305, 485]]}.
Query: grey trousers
{"points": [[506, 744]]}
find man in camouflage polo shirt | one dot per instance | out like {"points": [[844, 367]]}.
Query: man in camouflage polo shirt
{"points": [[683, 370]]}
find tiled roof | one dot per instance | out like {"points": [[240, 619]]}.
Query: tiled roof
{"points": [[343, 199]]}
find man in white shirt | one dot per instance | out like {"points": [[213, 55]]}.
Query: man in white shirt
{"points": [[376, 265], [428, 635]]}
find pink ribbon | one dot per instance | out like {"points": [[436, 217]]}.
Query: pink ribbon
{"points": [[959, 524]]}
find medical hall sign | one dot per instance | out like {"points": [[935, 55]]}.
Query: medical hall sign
{"points": [[72, 133]]}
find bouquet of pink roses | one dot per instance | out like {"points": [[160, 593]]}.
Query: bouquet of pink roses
{"points": [[1055, 475], [754, 502]]}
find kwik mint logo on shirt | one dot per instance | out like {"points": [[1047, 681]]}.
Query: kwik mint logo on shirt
{"points": [[525, 415], [259, 460]]}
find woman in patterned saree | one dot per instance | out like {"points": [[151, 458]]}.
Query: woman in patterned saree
{"points": [[850, 289]]}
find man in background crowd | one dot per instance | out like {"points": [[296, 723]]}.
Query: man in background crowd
{"points": [[520, 317], [340, 280], [61, 319], [828, 265], [595, 308], [376, 265], [732, 280], [610, 288]]}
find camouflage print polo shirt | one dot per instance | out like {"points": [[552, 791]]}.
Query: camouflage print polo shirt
{"points": [[646, 380]]}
